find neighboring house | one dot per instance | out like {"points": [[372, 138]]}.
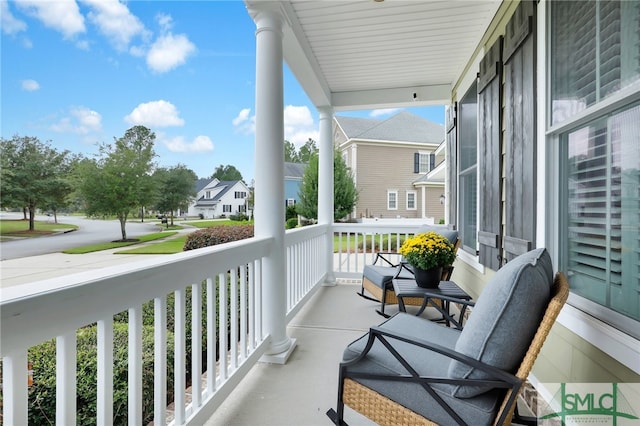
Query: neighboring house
{"points": [[397, 165], [293, 173], [216, 198]]}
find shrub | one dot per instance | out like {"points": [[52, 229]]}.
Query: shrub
{"points": [[217, 235], [42, 396], [291, 212], [291, 223], [239, 217]]}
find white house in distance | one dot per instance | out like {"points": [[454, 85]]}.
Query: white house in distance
{"points": [[217, 198]]}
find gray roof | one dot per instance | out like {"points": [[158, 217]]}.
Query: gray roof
{"points": [[201, 183], [294, 170], [225, 184], [402, 127]]}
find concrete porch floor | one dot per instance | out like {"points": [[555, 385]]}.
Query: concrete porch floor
{"points": [[300, 392]]}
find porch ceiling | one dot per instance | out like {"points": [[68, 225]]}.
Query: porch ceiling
{"points": [[372, 54]]}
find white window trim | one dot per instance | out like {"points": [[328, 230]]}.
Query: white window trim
{"points": [[389, 192], [415, 200]]}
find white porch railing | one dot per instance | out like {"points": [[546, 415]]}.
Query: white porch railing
{"points": [[230, 274]]}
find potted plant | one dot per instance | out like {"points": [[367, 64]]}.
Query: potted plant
{"points": [[428, 253]]}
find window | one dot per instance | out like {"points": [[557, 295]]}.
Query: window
{"points": [[242, 208], [468, 178], [290, 202], [601, 211], [227, 208], [240, 194], [207, 194], [423, 162], [599, 155], [411, 200], [596, 45], [392, 200]]}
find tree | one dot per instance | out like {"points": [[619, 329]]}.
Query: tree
{"points": [[32, 172], [119, 180], [307, 150], [290, 153], [176, 188], [345, 195], [226, 173]]}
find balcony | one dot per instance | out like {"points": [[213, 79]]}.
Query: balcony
{"points": [[321, 319]]}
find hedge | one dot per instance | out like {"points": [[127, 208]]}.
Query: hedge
{"points": [[42, 393], [217, 235]]}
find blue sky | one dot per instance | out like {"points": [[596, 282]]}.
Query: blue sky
{"points": [[79, 73]]}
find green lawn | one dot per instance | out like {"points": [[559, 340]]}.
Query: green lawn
{"points": [[20, 228], [171, 246], [112, 245]]}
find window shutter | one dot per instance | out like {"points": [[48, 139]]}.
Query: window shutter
{"points": [[520, 132], [490, 156], [432, 161], [416, 162], [452, 169]]}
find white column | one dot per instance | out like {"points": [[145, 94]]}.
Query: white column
{"points": [[325, 187], [269, 174], [423, 201]]}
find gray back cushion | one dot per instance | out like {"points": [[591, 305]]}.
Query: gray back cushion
{"points": [[505, 318], [449, 234]]}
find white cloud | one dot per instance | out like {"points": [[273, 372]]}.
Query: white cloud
{"points": [[10, 24], [155, 114], [169, 51], [299, 125], [81, 121], [244, 122], [62, 16], [199, 144], [165, 22], [115, 21], [30, 85], [242, 117], [381, 112]]}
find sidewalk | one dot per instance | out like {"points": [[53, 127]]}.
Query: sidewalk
{"points": [[36, 268]]}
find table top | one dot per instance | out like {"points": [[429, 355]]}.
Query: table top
{"points": [[445, 290]]}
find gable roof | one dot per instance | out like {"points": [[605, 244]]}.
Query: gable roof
{"points": [[201, 183], [402, 127], [294, 170]]}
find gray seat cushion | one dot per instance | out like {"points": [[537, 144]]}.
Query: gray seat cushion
{"points": [[505, 318], [476, 411]]}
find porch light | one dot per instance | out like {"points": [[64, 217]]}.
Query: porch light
{"points": [[442, 198]]}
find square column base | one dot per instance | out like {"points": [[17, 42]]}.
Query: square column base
{"points": [[280, 358]]}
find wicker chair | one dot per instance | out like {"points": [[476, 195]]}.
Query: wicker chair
{"points": [[411, 371], [377, 277]]}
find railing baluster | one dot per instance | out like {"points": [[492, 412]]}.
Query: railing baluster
{"points": [[233, 294], [15, 410], [212, 336], [159, 360], [66, 379], [196, 345], [243, 312], [135, 365], [179, 357], [222, 289], [105, 372], [252, 306]]}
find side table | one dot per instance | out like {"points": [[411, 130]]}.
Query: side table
{"points": [[447, 292]]}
